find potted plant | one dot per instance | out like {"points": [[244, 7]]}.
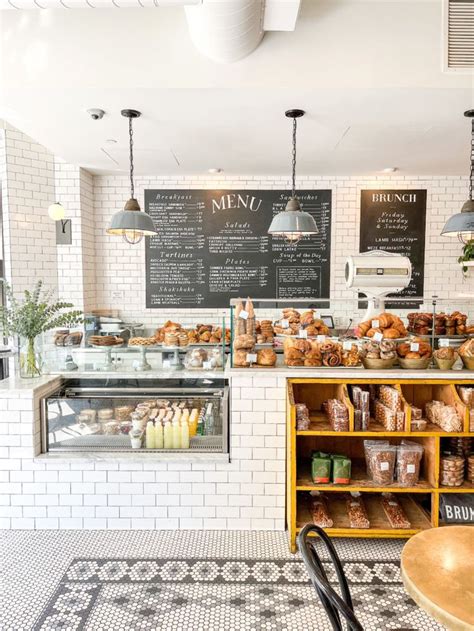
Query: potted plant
{"points": [[29, 318], [466, 260]]}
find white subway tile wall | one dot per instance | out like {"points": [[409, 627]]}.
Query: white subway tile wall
{"points": [[114, 492], [120, 267], [28, 188]]}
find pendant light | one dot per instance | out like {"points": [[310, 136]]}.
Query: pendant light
{"points": [[131, 223], [293, 223], [462, 224]]}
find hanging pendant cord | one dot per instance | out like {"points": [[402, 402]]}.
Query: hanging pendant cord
{"points": [[293, 161], [471, 176], [130, 133]]}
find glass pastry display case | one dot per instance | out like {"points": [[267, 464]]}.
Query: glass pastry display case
{"points": [[169, 348], [172, 415], [304, 333]]}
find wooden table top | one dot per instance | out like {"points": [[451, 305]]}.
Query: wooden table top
{"points": [[438, 573]]}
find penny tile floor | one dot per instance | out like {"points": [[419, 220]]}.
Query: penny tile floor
{"points": [[189, 580]]}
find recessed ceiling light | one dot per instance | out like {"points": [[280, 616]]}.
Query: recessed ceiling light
{"points": [[214, 171], [390, 170], [110, 141]]}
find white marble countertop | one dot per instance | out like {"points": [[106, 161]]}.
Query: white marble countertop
{"points": [[352, 373]]}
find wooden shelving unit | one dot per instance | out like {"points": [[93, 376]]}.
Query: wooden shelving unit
{"points": [[320, 436]]}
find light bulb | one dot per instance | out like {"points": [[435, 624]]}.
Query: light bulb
{"points": [[293, 237], [132, 236], [56, 212]]}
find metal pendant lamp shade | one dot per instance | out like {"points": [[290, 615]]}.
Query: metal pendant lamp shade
{"points": [[461, 225], [131, 223], [293, 223]]}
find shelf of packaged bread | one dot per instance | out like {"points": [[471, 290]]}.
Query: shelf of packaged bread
{"points": [[359, 481], [320, 425], [379, 524], [466, 487]]}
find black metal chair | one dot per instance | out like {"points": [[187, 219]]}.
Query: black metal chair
{"points": [[335, 606]]}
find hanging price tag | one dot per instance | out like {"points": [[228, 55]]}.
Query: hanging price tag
{"points": [[321, 338], [317, 315], [244, 314], [415, 347], [378, 337], [303, 333], [375, 324], [347, 345], [284, 324], [166, 363], [443, 342], [251, 358]]}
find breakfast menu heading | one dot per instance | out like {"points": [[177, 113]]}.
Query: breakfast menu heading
{"points": [[212, 246]]}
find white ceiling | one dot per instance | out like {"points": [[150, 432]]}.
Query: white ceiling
{"points": [[367, 73]]}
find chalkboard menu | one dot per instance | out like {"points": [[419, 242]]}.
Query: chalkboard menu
{"points": [[394, 221], [212, 246]]}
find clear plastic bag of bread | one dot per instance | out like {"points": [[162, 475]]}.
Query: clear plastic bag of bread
{"points": [[302, 417], [409, 455], [319, 509], [356, 511]]}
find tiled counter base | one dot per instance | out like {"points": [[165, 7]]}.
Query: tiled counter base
{"points": [[146, 491]]}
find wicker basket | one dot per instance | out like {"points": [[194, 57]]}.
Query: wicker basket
{"points": [[445, 364], [415, 364], [468, 362], [378, 364]]}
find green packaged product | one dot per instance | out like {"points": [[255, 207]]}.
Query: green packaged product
{"points": [[321, 467], [341, 469]]}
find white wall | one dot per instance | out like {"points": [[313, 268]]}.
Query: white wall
{"points": [[121, 267], [27, 177]]}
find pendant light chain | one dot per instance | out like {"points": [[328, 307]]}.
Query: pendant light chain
{"points": [[471, 175], [293, 161], [130, 133]]}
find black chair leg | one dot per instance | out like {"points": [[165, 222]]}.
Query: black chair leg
{"points": [[335, 606]]}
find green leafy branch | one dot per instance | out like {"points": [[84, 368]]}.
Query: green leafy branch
{"points": [[467, 255], [35, 313]]}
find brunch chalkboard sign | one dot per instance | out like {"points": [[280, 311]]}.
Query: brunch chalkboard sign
{"points": [[395, 221], [212, 246]]}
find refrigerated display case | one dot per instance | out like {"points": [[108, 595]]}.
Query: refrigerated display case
{"points": [[168, 415]]}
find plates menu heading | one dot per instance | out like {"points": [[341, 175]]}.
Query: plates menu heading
{"points": [[395, 221], [212, 246]]}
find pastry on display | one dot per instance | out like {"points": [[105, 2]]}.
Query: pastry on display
{"points": [[292, 322], [386, 349], [264, 332], [416, 348], [142, 341], [351, 357], [250, 322], [244, 342], [466, 352], [444, 323], [105, 340], [204, 358], [388, 325], [240, 359], [65, 337], [266, 357], [239, 322], [420, 323], [207, 334], [311, 353], [168, 327]]}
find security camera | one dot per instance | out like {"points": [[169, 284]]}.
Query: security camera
{"points": [[96, 114]]}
